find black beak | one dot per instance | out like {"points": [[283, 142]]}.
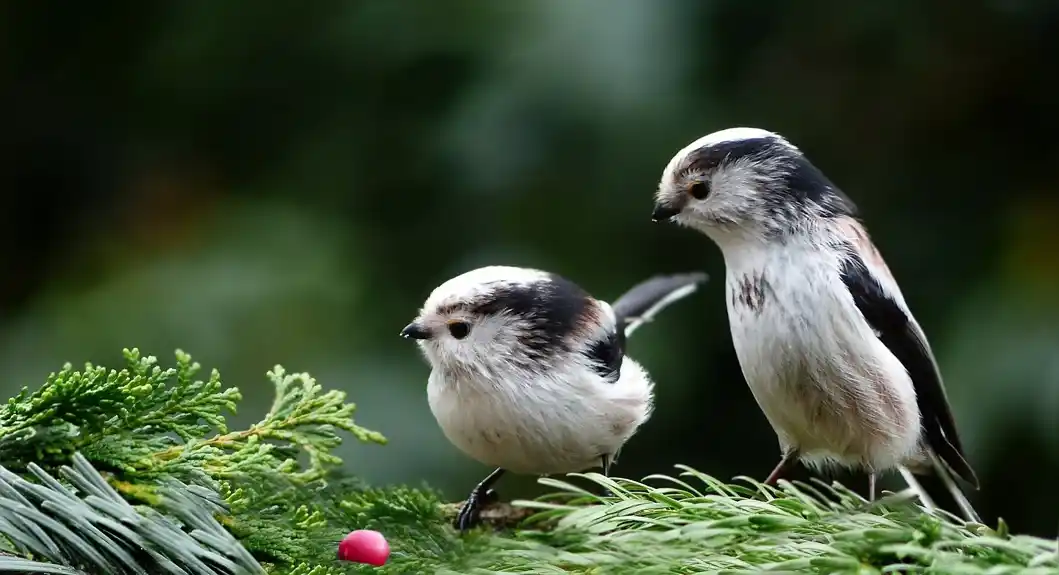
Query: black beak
{"points": [[415, 331], [664, 213]]}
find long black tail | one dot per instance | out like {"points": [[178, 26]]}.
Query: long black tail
{"points": [[644, 300]]}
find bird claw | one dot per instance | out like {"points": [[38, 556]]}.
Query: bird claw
{"points": [[469, 516]]}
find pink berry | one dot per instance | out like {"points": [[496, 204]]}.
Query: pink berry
{"points": [[364, 546]]}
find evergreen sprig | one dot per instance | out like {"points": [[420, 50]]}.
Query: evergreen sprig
{"points": [[148, 422], [302, 418], [85, 526], [153, 433], [114, 417]]}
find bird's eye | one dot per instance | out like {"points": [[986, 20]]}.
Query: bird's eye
{"points": [[699, 190], [459, 329]]}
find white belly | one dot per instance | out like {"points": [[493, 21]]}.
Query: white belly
{"points": [[543, 428], [827, 385]]}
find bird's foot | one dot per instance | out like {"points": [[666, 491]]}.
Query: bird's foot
{"points": [[469, 516]]}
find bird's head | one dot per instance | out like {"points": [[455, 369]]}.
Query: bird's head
{"points": [[745, 183], [505, 319]]}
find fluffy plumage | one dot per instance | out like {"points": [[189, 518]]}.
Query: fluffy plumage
{"points": [[827, 344], [536, 380]]}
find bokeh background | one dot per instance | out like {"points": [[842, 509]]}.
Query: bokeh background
{"points": [[262, 183]]}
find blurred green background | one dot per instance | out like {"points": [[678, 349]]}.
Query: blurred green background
{"points": [[263, 183]]}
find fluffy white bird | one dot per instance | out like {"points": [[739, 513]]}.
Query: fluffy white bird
{"points": [[826, 342], [529, 373]]}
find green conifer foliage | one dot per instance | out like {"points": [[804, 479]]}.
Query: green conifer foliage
{"points": [[134, 470]]}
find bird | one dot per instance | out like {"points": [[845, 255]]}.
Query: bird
{"points": [[831, 352], [529, 372]]}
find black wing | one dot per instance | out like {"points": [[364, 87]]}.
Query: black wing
{"points": [[607, 355], [638, 305], [906, 341]]}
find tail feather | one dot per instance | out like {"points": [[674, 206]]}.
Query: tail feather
{"points": [[646, 299], [951, 457], [943, 471], [946, 477]]}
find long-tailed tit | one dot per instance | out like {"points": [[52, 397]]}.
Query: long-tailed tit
{"points": [[529, 373], [830, 350]]}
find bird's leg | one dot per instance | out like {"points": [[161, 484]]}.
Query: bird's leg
{"points": [[871, 486], [605, 462], [785, 464], [482, 495]]}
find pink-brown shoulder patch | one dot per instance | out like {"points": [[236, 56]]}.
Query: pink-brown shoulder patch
{"points": [[855, 233], [590, 316]]}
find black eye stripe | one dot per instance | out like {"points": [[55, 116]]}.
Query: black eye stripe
{"points": [[710, 157], [550, 310]]}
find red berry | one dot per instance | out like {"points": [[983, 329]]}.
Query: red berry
{"points": [[364, 546]]}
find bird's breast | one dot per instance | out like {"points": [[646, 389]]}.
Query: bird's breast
{"points": [[541, 425], [823, 379]]}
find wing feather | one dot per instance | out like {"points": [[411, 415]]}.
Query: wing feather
{"points": [[880, 302], [635, 307], [607, 354]]}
